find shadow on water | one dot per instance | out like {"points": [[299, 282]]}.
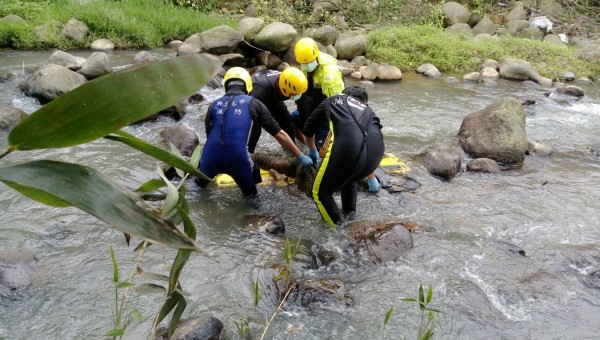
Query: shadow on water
{"points": [[476, 225]]}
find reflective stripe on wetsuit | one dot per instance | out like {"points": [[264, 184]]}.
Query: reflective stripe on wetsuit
{"points": [[355, 151]]}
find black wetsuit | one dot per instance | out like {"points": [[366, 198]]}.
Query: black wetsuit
{"points": [[355, 151], [265, 88]]}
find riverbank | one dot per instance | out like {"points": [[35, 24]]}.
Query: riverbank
{"points": [[135, 25]]}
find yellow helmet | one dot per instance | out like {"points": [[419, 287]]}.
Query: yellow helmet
{"points": [[292, 82], [306, 50], [238, 73]]}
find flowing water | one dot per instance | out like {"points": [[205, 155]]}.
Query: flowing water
{"points": [[549, 208]]}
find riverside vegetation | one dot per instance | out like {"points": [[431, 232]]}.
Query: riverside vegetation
{"points": [[411, 35]]}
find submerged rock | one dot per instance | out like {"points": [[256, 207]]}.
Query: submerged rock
{"points": [[265, 224], [17, 270], [194, 328], [322, 290], [380, 242]]}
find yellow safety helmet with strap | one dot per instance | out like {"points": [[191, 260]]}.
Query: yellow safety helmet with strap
{"points": [[306, 50], [292, 82], [238, 73]]}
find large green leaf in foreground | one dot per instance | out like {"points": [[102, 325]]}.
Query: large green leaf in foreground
{"points": [[60, 184], [108, 103]]}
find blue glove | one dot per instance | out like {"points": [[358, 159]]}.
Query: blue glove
{"points": [[373, 185], [305, 160], [314, 155]]}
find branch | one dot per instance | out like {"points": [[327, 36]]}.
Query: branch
{"points": [[344, 13], [277, 310]]}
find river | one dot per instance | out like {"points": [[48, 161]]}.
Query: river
{"points": [[550, 208]]}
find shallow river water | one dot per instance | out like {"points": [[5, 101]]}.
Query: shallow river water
{"points": [[550, 208]]}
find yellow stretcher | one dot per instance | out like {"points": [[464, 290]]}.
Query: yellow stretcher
{"points": [[390, 164]]}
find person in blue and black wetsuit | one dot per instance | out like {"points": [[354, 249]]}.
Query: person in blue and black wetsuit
{"points": [[355, 150], [273, 88], [228, 123]]}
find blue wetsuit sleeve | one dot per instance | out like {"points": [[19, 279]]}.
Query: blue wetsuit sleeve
{"points": [[207, 120], [317, 118]]}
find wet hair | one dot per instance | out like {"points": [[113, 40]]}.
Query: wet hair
{"points": [[359, 93]]}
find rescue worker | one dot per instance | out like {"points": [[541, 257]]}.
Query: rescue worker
{"points": [[272, 88], [324, 80], [355, 151], [228, 123]]}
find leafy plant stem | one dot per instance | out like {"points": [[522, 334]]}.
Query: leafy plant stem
{"points": [[279, 307], [125, 297], [6, 153]]}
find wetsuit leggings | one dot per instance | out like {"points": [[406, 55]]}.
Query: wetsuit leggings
{"points": [[336, 173], [244, 173]]}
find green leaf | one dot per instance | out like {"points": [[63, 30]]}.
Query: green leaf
{"points": [[137, 315], [115, 332], [149, 288], [124, 284], [177, 313], [427, 335], [166, 308], [151, 276], [408, 299], [98, 195], [388, 315], [109, 103], [176, 151], [195, 159], [115, 266], [151, 185], [429, 294], [182, 255], [156, 152], [421, 298], [172, 194], [39, 195]]}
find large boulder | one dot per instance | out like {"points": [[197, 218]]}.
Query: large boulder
{"points": [[441, 162], [13, 19], [486, 25], [276, 37], [518, 69], [350, 44], [312, 291], [496, 132], [66, 59], [17, 270], [459, 29], [184, 139], [326, 35], [51, 81], [380, 242], [590, 52], [10, 116], [516, 26], [532, 33], [102, 45], [455, 13], [389, 72], [250, 27], [96, 65], [200, 328], [75, 30], [217, 40], [518, 12]]}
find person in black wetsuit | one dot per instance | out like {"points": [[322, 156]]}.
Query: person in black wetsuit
{"points": [[355, 151], [228, 123], [272, 88]]}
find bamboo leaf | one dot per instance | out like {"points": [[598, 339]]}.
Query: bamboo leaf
{"points": [[177, 313], [98, 195], [408, 299], [124, 284], [149, 288], [176, 151], [115, 332], [421, 298], [39, 195], [429, 294], [195, 159], [137, 315], [172, 194], [182, 255], [427, 335], [151, 185], [388, 315], [115, 266], [109, 103], [156, 152], [166, 308]]}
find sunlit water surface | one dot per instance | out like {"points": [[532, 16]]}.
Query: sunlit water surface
{"points": [[549, 208]]}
